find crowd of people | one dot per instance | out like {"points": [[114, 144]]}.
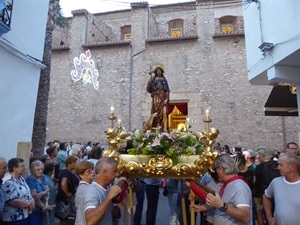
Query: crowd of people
{"points": [[249, 184], [49, 191], [76, 183]]}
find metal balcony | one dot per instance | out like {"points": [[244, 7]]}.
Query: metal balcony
{"points": [[5, 15]]}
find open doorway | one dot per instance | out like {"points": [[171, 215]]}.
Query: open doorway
{"points": [[177, 114]]}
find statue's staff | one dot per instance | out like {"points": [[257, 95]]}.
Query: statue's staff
{"points": [[193, 209], [131, 203], [183, 203]]}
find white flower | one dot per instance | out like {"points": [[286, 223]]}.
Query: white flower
{"points": [[156, 142], [148, 133]]}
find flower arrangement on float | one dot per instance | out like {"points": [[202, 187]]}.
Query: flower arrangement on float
{"points": [[173, 144], [153, 153]]}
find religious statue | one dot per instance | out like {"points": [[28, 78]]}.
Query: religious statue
{"points": [[158, 87]]}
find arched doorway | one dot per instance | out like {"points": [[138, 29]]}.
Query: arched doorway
{"points": [[177, 114]]}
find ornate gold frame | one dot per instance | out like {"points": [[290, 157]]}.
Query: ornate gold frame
{"points": [[141, 166]]}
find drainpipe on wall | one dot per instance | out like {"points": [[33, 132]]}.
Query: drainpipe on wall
{"points": [[86, 27], [131, 61], [148, 30], [283, 131], [130, 80]]}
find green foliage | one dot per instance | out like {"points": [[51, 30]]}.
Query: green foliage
{"points": [[171, 144]]}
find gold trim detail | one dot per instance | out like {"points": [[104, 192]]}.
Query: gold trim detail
{"points": [[140, 166]]}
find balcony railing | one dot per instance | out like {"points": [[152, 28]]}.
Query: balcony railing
{"points": [[5, 15]]}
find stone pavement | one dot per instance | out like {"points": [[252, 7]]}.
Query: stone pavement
{"points": [[163, 212]]}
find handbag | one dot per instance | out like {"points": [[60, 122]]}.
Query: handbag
{"points": [[166, 191], [62, 210]]}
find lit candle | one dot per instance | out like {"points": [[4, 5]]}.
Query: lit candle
{"points": [[119, 123], [187, 123], [112, 110], [207, 113]]}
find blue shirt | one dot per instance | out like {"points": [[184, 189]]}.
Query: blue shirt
{"points": [[61, 158], [206, 179], [15, 189], [35, 185], [2, 196], [153, 181]]}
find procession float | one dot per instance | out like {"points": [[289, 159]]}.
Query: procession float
{"points": [[156, 152]]}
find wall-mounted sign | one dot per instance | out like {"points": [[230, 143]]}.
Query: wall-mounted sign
{"points": [[85, 70]]}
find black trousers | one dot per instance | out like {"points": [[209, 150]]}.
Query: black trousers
{"points": [[152, 193]]}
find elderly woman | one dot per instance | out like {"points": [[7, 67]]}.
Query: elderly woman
{"points": [[86, 173], [48, 217], [67, 186], [39, 190], [76, 151], [18, 200]]}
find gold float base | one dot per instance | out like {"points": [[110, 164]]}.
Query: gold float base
{"points": [[141, 166]]}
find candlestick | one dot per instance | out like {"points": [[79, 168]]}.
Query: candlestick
{"points": [[187, 123], [112, 116], [207, 114], [207, 121], [112, 110], [119, 123]]}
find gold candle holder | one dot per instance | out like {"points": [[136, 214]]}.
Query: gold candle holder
{"points": [[207, 121], [119, 123], [187, 124], [112, 118]]}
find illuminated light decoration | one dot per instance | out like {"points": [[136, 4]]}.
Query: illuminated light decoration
{"points": [[86, 77], [128, 37], [85, 70], [226, 28], [176, 33]]}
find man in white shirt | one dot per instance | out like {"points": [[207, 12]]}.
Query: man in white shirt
{"points": [[285, 191], [98, 197]]}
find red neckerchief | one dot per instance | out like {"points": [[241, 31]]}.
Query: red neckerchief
{"points": [[221, 192]]}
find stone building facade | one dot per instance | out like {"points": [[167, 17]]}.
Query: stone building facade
{"points": [[201, 45]]}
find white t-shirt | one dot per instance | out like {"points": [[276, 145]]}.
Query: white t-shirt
{"points": [[237, 193], [287, 200], [95, 194]]}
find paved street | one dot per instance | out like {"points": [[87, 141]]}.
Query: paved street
{"points": [[162, 211]]}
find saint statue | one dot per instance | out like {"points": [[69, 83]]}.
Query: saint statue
{"points": [[158, 87]]}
